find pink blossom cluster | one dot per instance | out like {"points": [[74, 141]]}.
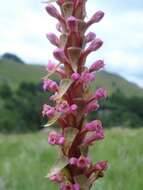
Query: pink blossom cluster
{"points": [[72, 98]]}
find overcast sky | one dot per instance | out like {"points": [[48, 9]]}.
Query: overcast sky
{"points": [[24, 23]]}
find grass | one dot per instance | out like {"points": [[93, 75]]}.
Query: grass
{"points": [[26, 159]]}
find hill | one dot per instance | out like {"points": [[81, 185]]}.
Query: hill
{"points": [[14, 73], [13, 57]]}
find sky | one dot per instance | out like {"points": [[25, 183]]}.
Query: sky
{"points": [[25, 23]]}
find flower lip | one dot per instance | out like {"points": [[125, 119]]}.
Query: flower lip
{"points": [[55, 138], [83, 162]]}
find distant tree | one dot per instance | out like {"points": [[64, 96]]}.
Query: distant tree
{"points": [[5, 91]]}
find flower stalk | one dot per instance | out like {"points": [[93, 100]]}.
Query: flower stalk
{"points": [[72, 99]]}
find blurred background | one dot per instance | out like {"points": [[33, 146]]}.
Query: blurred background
{"points": [[24, 51]]}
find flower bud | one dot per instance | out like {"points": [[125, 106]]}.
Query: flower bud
{"points": [[95, 18], [53, 39], [92, 106], [73, 108], [53, 11], [48, 111], [50, 66], [59, 54], [90, 37], [95, 125], [97, 66], [94, 45], [87, 77], [72, 24], [76, 187], [100, 166], [75, 76], [50, 85], [63, 107], [94, 137], [100, 93], [73, 161], [55, 138]]}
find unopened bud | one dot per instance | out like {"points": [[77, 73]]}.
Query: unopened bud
{"points": [[53, 39], [72, 24], [53, 11]]}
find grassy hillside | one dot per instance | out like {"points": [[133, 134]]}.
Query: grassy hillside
{"points": [[114, 82], [26, 159], [13, 73]]}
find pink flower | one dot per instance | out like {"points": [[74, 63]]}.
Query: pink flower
{"points": [[50, 85], [97, 66], [81, 162], [69, 186], [59, 54], [100, 93], [100, 166], [53, 39], [65, 108], [87, 77], [92, 106], [48, 111], [73, 161], [95, 125], [50, 66], [72, 24], [90, 37], [56, 178], [72, 101], [73, 108], [55, 138], [75, 76], [76, 186], [99, 135]]}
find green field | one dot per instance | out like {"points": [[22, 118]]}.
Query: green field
{"points": [[25, 160]]}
